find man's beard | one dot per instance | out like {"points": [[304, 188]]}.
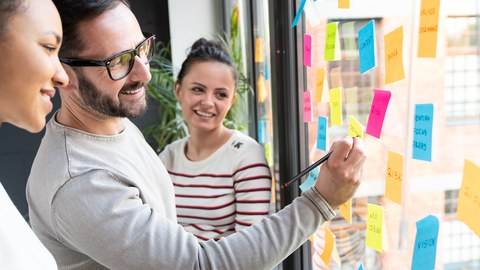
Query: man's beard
{"points": [[104, 104]]}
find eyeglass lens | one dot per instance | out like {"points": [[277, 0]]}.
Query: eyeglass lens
{"points": [[122, 64]]}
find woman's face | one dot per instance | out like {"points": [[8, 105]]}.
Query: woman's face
{"points": [[29, 66], [206, 93]]}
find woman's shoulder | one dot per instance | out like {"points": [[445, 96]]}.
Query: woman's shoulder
{"points": [[242, 142]]}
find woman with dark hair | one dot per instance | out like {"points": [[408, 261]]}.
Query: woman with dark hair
{"points": [[221, 178], [30, 37]]}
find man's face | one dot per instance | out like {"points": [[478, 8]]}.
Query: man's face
{"points": [[114, 31]]}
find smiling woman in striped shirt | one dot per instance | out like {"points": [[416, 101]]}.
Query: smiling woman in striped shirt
{"points": [[221, 178]]}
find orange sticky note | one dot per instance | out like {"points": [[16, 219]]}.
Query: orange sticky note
{"points": [[319, 84], [259, 57], [469, 197], [393, 183], [346, 211], [427, 33], [343, 3], [336, 107], [261, 89], [328, 248], [374, 237], [394, 70], [355, 128]]}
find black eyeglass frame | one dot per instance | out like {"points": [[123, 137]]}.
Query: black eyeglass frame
{"points": [[75, 62]]}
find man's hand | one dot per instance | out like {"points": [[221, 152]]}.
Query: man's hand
{"points": [[339, 176]]}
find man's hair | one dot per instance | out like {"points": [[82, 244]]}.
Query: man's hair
{"points": [[8, 8], [72, 13]]}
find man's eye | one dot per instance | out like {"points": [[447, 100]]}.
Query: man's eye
{"points": [[120, 60]]}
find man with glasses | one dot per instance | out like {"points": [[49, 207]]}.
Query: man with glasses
{"points": [[99, 197]]}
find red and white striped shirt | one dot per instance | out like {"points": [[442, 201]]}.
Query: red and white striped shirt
{"points": [[223, 193]]}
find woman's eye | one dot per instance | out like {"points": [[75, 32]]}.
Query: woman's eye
{"points": [[50, 48], [222, 95], [197, 89]]}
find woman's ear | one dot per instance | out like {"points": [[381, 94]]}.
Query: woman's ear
{"points": [[176, 88]]}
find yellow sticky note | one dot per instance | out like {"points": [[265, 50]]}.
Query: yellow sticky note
{"points": [[332, 43], [393, 183], [427, 33], [393, 43], [336, 77], [343, 3], [261, 89], [374, 236], [346, 211], [328, 248], [469, 197], [355, 129], [259, 57], [336, 107], [319, 84]]}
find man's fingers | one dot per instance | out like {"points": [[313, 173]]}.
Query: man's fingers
{"points": [[356, 157]]}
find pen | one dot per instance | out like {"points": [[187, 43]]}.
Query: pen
{"points": [[308, 169]]}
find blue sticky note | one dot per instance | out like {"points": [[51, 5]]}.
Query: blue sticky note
{"points": [[360, 267], [322, 133], [265, 70], [422, 132], [311, 178], [425, 249], [299, 13], [261, 132], [367, 47]]}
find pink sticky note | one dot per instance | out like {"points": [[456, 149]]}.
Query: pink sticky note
{"points": [[307, 106], [307, 50], [377, 112]]}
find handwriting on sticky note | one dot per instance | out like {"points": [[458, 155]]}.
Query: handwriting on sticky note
{"points": [[427, 34], [469, 197], [307, 50], [378, 110], [394, 179], [322, 133], [425, 249], [319, 84], [336, 106], [393, 42], [374, 235], [329, 244], [422, 132], [332, 43], [307, 106], [367, 48], [355, 128]]}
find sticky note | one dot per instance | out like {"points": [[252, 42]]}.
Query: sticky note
{"points": [[427, 34], [360, 267], [336, 77], [346, 210], [425, 249], [319, 84], [374, 237], [355, 128], [367, 48], [259, 56], [311, 178], [265, 68], [307, 106], [336, 107], [261, 132], [269, 155], [307, 50], [328, 248], [469, 197], [378, 110], [393, 43], [332, 43], [343, 3], [393, 183], [422, 132], [299, 13], [322, 133], [349, 40], [261, 89], [351, 102]]}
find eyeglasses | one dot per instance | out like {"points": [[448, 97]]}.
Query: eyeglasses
{"points": [[121, 64]]}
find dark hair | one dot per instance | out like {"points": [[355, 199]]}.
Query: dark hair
{"points": [[72, 13], [207, 50], [8, 8]]}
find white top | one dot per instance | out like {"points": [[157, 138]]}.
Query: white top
{"points": [[19, 246]]}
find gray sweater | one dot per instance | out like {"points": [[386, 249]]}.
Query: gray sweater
{"points": [[100, 202]]}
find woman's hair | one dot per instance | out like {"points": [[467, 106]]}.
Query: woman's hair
{"points": [[204, 51], [8, 8]]}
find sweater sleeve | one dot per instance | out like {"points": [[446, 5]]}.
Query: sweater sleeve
{"points": [[110, 223]]}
